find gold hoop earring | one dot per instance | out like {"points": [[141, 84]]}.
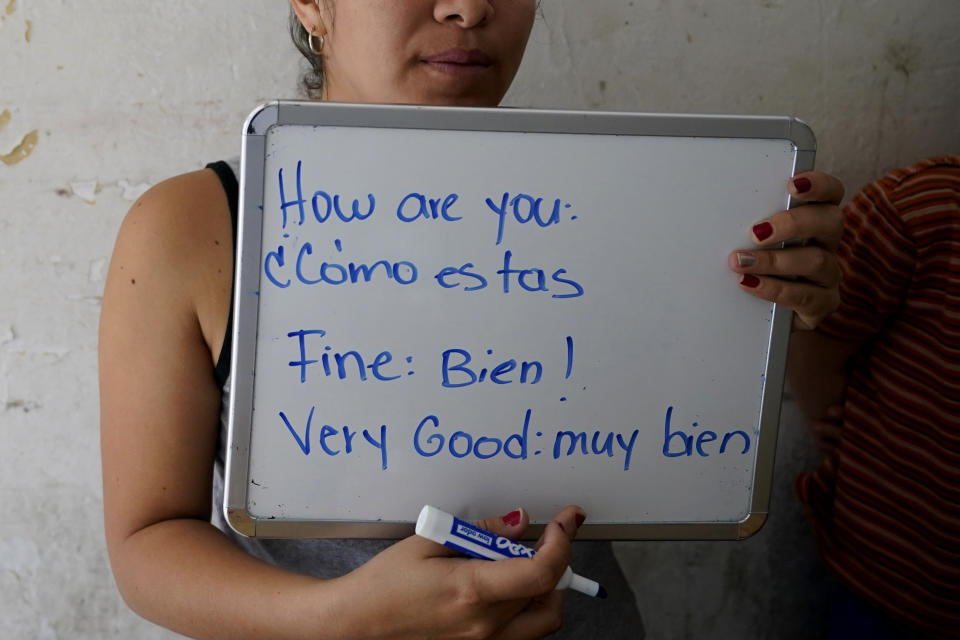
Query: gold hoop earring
{"points": [[317, 49]]}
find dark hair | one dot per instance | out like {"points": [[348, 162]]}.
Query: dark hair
{"points": [[311, 80]]}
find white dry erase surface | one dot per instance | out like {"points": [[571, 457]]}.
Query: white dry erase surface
{"points": [[485, 308]]}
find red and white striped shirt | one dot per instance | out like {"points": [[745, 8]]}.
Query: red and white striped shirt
{"points": [[887, 512]]}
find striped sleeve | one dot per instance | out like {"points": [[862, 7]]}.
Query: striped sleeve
{"points": [[877, 258], [886, 505]]}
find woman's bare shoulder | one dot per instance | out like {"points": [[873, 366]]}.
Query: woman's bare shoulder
{"points": [[179, 215], [175, 244]]}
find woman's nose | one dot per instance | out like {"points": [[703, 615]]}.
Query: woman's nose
{"points": [[464, 13]]}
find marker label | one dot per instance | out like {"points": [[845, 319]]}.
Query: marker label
{"points": [[471, 540]]}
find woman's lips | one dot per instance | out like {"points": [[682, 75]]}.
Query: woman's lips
{"points": [[459, 62]]}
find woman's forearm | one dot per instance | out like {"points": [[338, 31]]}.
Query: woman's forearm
{"points": [[186, 575], [817, 369]]}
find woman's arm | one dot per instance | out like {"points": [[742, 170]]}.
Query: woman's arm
{"points": [[805, 278], [163, 318], [817, 368], [159, 425]]}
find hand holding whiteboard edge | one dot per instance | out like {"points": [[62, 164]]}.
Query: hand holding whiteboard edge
{"points": [[465, 537], [498, 120]]}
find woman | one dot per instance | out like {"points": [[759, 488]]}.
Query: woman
{"points": [[165, 313]]}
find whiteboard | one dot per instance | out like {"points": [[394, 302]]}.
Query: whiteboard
{"points": [[485, 308]]}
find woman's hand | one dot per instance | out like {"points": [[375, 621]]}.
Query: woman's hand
{"points": [[803, 277], [419, 589]]}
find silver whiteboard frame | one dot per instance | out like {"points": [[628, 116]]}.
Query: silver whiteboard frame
{"points": [[245, 310]]}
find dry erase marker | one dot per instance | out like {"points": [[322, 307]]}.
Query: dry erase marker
{"points": [[443, 528]]}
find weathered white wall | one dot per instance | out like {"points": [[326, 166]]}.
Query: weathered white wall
{"points": [[122, 94]]}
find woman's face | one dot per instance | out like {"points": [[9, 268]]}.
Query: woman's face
{"points": [[447, 52]]}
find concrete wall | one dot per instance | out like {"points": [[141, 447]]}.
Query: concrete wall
{"points": [[123, 94]]}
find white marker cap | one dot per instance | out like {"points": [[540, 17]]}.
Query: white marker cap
{"points": [[434, 524]]}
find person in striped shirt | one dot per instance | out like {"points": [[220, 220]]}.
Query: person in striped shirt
{"points": [[879, 382]]}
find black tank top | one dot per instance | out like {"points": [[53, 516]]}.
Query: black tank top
{"points": [[232, 189]]}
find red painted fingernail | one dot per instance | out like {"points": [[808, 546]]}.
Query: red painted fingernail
{"points": [[763, 231], [579, 518], [513, 518], [802, 185], [750, 281]]}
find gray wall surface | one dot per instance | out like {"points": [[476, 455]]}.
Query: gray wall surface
{"points": [[121, 95]]}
